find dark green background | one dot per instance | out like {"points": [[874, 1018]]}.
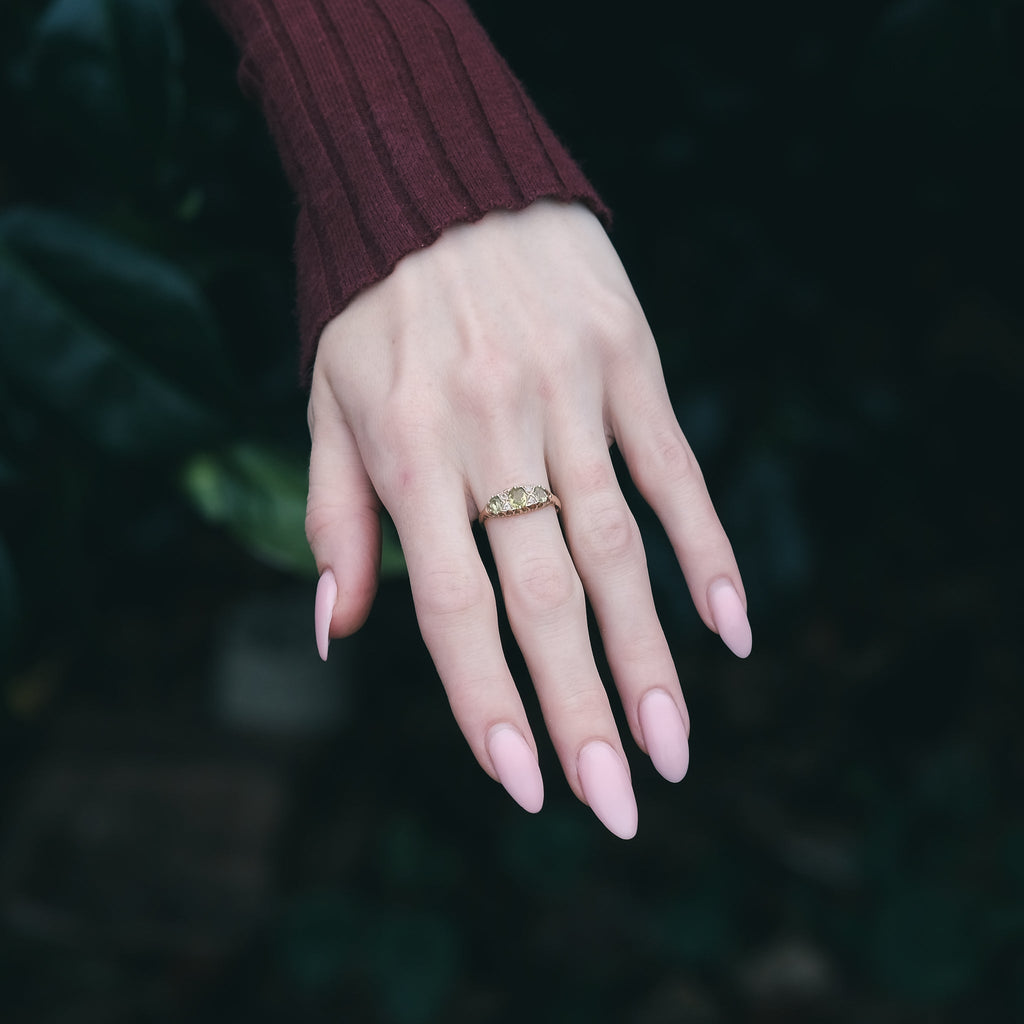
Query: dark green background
{"points": [[820, 206]]}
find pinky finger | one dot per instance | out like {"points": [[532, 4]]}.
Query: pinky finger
{"points": [[343, 530]]}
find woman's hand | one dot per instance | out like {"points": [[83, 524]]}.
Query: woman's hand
{"points": [[513, 351]]}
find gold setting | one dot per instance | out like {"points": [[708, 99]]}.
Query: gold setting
{"points": [[517, 500]]}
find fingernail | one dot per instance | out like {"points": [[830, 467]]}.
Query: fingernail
{"points": [[664, 735], [326, 595], [730, 618], [516, 766], [607, 790]]}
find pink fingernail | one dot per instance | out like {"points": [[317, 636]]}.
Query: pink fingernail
{"points": [[517, 767], [664, 735], [607, 790], [729, 617], [326, 595]]}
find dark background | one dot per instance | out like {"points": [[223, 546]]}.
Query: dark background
{"points": [[820, 206]]}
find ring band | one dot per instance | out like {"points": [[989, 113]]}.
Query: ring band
{"points": [[517, 500]]}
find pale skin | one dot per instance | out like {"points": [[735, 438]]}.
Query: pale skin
{"points": [[514, 351]]}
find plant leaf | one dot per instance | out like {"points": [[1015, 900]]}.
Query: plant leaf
{"points": [[103, 80], [111, 340], [259, 496]]}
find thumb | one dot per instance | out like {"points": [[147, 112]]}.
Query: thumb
{"points": [[343, 529]]}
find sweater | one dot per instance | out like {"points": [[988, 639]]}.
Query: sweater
{"points": [[394, 119]]}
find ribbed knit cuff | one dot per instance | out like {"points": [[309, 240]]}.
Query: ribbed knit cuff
{"points": [[394, 119]]}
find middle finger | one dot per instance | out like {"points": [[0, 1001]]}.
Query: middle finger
{"points": [[608, 553], [546, 608]]}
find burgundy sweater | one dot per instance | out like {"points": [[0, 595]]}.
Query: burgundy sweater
{"points": [[394, 119]]}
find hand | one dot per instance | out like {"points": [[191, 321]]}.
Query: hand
{"points": [[513, 351]]}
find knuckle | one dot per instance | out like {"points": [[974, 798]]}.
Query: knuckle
{"points": [[592, 478], [648, 645], [319, 518], [669, 460], [608, 533], [582, 702], [541, 586], [407, 423], [645, 650], [619, 325], [618, 314], [443, 595], [326, 521]]}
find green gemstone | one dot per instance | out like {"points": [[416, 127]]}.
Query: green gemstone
{"points": [[495, 505], [538, 496], [517, 497]]}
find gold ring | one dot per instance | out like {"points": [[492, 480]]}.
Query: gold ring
{"points": [[517, 500]]}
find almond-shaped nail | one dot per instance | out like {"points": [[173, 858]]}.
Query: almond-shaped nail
{"points": [[606, 787], [326, 595], [664, 735], [516, 766], [730, 618]]}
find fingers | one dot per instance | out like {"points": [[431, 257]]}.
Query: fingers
{"points": [[457, 614], [608, 553], [546, 607], [461, 365], [454, 601], [665, 471], [544, 583], [342, 527]]}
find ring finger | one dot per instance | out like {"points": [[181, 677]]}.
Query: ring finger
{"points": [[546, 608], [456, 610]]}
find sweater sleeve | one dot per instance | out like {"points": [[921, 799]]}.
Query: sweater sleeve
{"points": [[393, 119]]}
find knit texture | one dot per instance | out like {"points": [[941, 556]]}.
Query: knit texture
{"points": [[394, 119]]}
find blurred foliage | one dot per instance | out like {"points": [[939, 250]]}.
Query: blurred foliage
{"points": [[107, 342], [105, 80], [260, 497], [147, 312], [820, 207]]}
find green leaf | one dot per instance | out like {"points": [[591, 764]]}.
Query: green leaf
{"points": [[103, 79], [145, 301], [115, 343], [259, 496], [392, 561]]}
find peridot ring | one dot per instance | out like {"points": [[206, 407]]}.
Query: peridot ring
{"points": [[517, 500]]}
